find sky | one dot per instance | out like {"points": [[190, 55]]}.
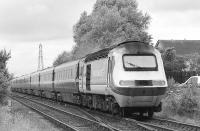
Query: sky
{"points": [[24, 24]]}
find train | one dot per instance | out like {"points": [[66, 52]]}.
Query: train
{"points": [[125, 78]]}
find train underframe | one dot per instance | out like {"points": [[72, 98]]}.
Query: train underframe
{"points": [[105, 103]]}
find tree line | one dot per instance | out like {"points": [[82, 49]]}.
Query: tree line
{"points": [[174, 62], [4, 75]]}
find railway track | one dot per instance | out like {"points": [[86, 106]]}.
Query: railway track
{"points": [[67, 120], [168, 125], [175, 124], [117, 123], [157, 124], [108, 121]]}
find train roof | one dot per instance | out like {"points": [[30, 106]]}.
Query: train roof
{"points": [[21, 77], [46, 70], [104, 52], [66, 64]]}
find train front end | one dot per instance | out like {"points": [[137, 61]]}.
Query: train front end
{"points": [[138, 77]]}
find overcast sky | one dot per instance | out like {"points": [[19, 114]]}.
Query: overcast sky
{"points": [[24, 24]]}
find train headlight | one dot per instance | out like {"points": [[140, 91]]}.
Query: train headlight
{"points": [[158, 82], [127, 83]]}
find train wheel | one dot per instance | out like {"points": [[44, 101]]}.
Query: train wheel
{"points": [[150, 113], [122, 112], [115, 109], [89, 102], [141, 114]]}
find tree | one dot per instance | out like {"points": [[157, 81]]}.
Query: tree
{"points": [[111, 21], [4, 75], [193, 61], [171, 61], [62, 58]]}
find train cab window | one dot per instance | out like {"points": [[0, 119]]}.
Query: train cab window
{"points": [[139, 62]]}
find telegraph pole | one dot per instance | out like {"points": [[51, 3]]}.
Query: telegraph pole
{"points": [[40, 59]]}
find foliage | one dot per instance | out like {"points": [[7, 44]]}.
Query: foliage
{"points": [[4, 75], [110, 22], [169, 54], [193, 61], [182, 102], [171, 61], [62, 58], [188, 103], [172, 86]]}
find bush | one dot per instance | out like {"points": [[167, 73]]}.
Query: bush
{"points": [[172, 86], [188, 103], [170, 105], [184, 102]]}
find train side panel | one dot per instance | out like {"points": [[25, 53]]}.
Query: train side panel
{"points": [[95, 76], [46, 83], [34, 89], [66, 85]]}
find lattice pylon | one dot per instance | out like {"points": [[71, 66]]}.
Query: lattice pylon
{"points": [[40, 58]]}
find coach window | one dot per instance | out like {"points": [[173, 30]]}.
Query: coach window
{"points": [[67, 74], [72, 73], [64, 75], [45, 77], [48, 77]]}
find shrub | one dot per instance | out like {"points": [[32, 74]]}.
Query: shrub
{"points": [[188, 103], [170, 104], [180, 101]]}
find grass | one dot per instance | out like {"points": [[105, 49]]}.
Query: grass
{"points": [[20, 118], [182, 104]]}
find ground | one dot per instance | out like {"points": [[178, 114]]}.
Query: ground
{"points": [[16, 117]]}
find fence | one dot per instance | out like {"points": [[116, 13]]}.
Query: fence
{"points": [[181, 76]]}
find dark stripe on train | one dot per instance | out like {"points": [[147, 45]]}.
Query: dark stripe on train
{"points": [[148, 91]]}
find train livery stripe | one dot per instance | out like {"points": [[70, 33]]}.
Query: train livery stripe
{"points": [[150, 91]]}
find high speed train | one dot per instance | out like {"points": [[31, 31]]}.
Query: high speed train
{"points": [[125, 78]]}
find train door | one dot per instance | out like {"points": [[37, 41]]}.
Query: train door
{"points": [[109, 71], [81, 76], [88, 75]]}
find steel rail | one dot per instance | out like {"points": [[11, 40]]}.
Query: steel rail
{"points": [[69, 113], [143, 126], [154, 126], [92, 116], [176, 124], [57, 121]]}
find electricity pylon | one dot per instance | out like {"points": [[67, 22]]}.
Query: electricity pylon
{"points": [[40, 59]]}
